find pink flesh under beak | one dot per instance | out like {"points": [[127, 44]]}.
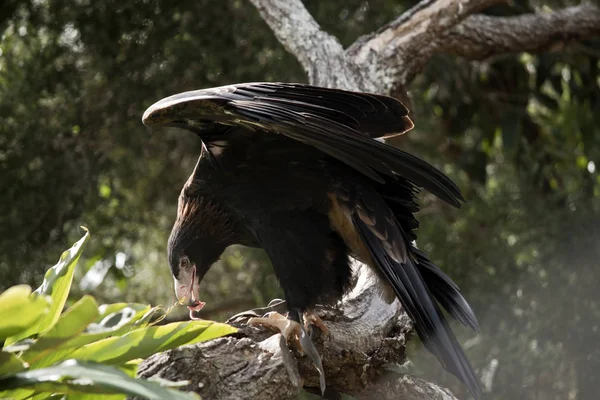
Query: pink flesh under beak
{"points": [[189, 292], [199, 305]]}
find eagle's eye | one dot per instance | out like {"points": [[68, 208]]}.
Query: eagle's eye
{"points": [[184, 262]]}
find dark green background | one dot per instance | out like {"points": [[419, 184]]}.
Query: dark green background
{"points": [[519, 134]]}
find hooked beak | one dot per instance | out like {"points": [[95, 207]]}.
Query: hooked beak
{"points": [[186, 289]]}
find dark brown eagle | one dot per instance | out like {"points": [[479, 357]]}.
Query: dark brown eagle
{"points": [[301, 172]]}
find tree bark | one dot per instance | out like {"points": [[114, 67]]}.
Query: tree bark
{"points": [[366, 332], [480, 36], [387, 60]]}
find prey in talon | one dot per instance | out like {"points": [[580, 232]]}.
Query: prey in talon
{"points": [[302, 172]]}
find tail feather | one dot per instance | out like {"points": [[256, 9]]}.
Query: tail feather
{"points": [[446, 292], [400, 198], [415, 293]]}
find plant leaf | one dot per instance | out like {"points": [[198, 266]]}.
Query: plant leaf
{"points": [[115, 320], [91, 396], [17, 394], [47, 396], [141, 343], [45, 351], [74, 376], [118, 317], [131, 367], [19, 310], [10, 364], [56, 285], [114, 324]]}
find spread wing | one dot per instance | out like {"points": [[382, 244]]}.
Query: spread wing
{"points": [[341, 124], [371, 114]]}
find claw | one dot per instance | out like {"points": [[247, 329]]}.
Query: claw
{"points": [[295, 334], [313, 354], [312, 319], [291, 330]]}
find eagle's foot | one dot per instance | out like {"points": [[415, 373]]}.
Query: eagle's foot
{"points": [[295, 334], [291, 330], [311, 319]]}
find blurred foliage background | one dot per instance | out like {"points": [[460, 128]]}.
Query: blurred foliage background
{"points": [[519, 133]]}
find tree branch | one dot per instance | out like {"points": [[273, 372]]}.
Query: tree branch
{"points": [[479, 36], [387, 60], [365, 333], [301, 35], [410, 32], [404, 45]]}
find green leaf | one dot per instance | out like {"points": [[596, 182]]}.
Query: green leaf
{"points": [[56, 284], [17, 394], [47, 396], [131, 367], [142, 343], [115, 316], [108, 309], [10, 364], [74, 376], [45, 350], [88, 396], [115, 320], [113, 324], [19, 310]]}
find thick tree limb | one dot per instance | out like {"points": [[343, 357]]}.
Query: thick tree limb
{"points": [[406, 41], [365, 334], [387, 60], [480, 36], [297, 30], [317, 51]]}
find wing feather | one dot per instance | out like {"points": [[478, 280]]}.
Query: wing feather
{"points": [[341, 124]]}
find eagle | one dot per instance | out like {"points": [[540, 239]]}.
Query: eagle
{"points": [[303, 173]]}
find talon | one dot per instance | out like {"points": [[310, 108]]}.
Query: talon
{"points": [[291, 330], [312, 319], [295, 335]]}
